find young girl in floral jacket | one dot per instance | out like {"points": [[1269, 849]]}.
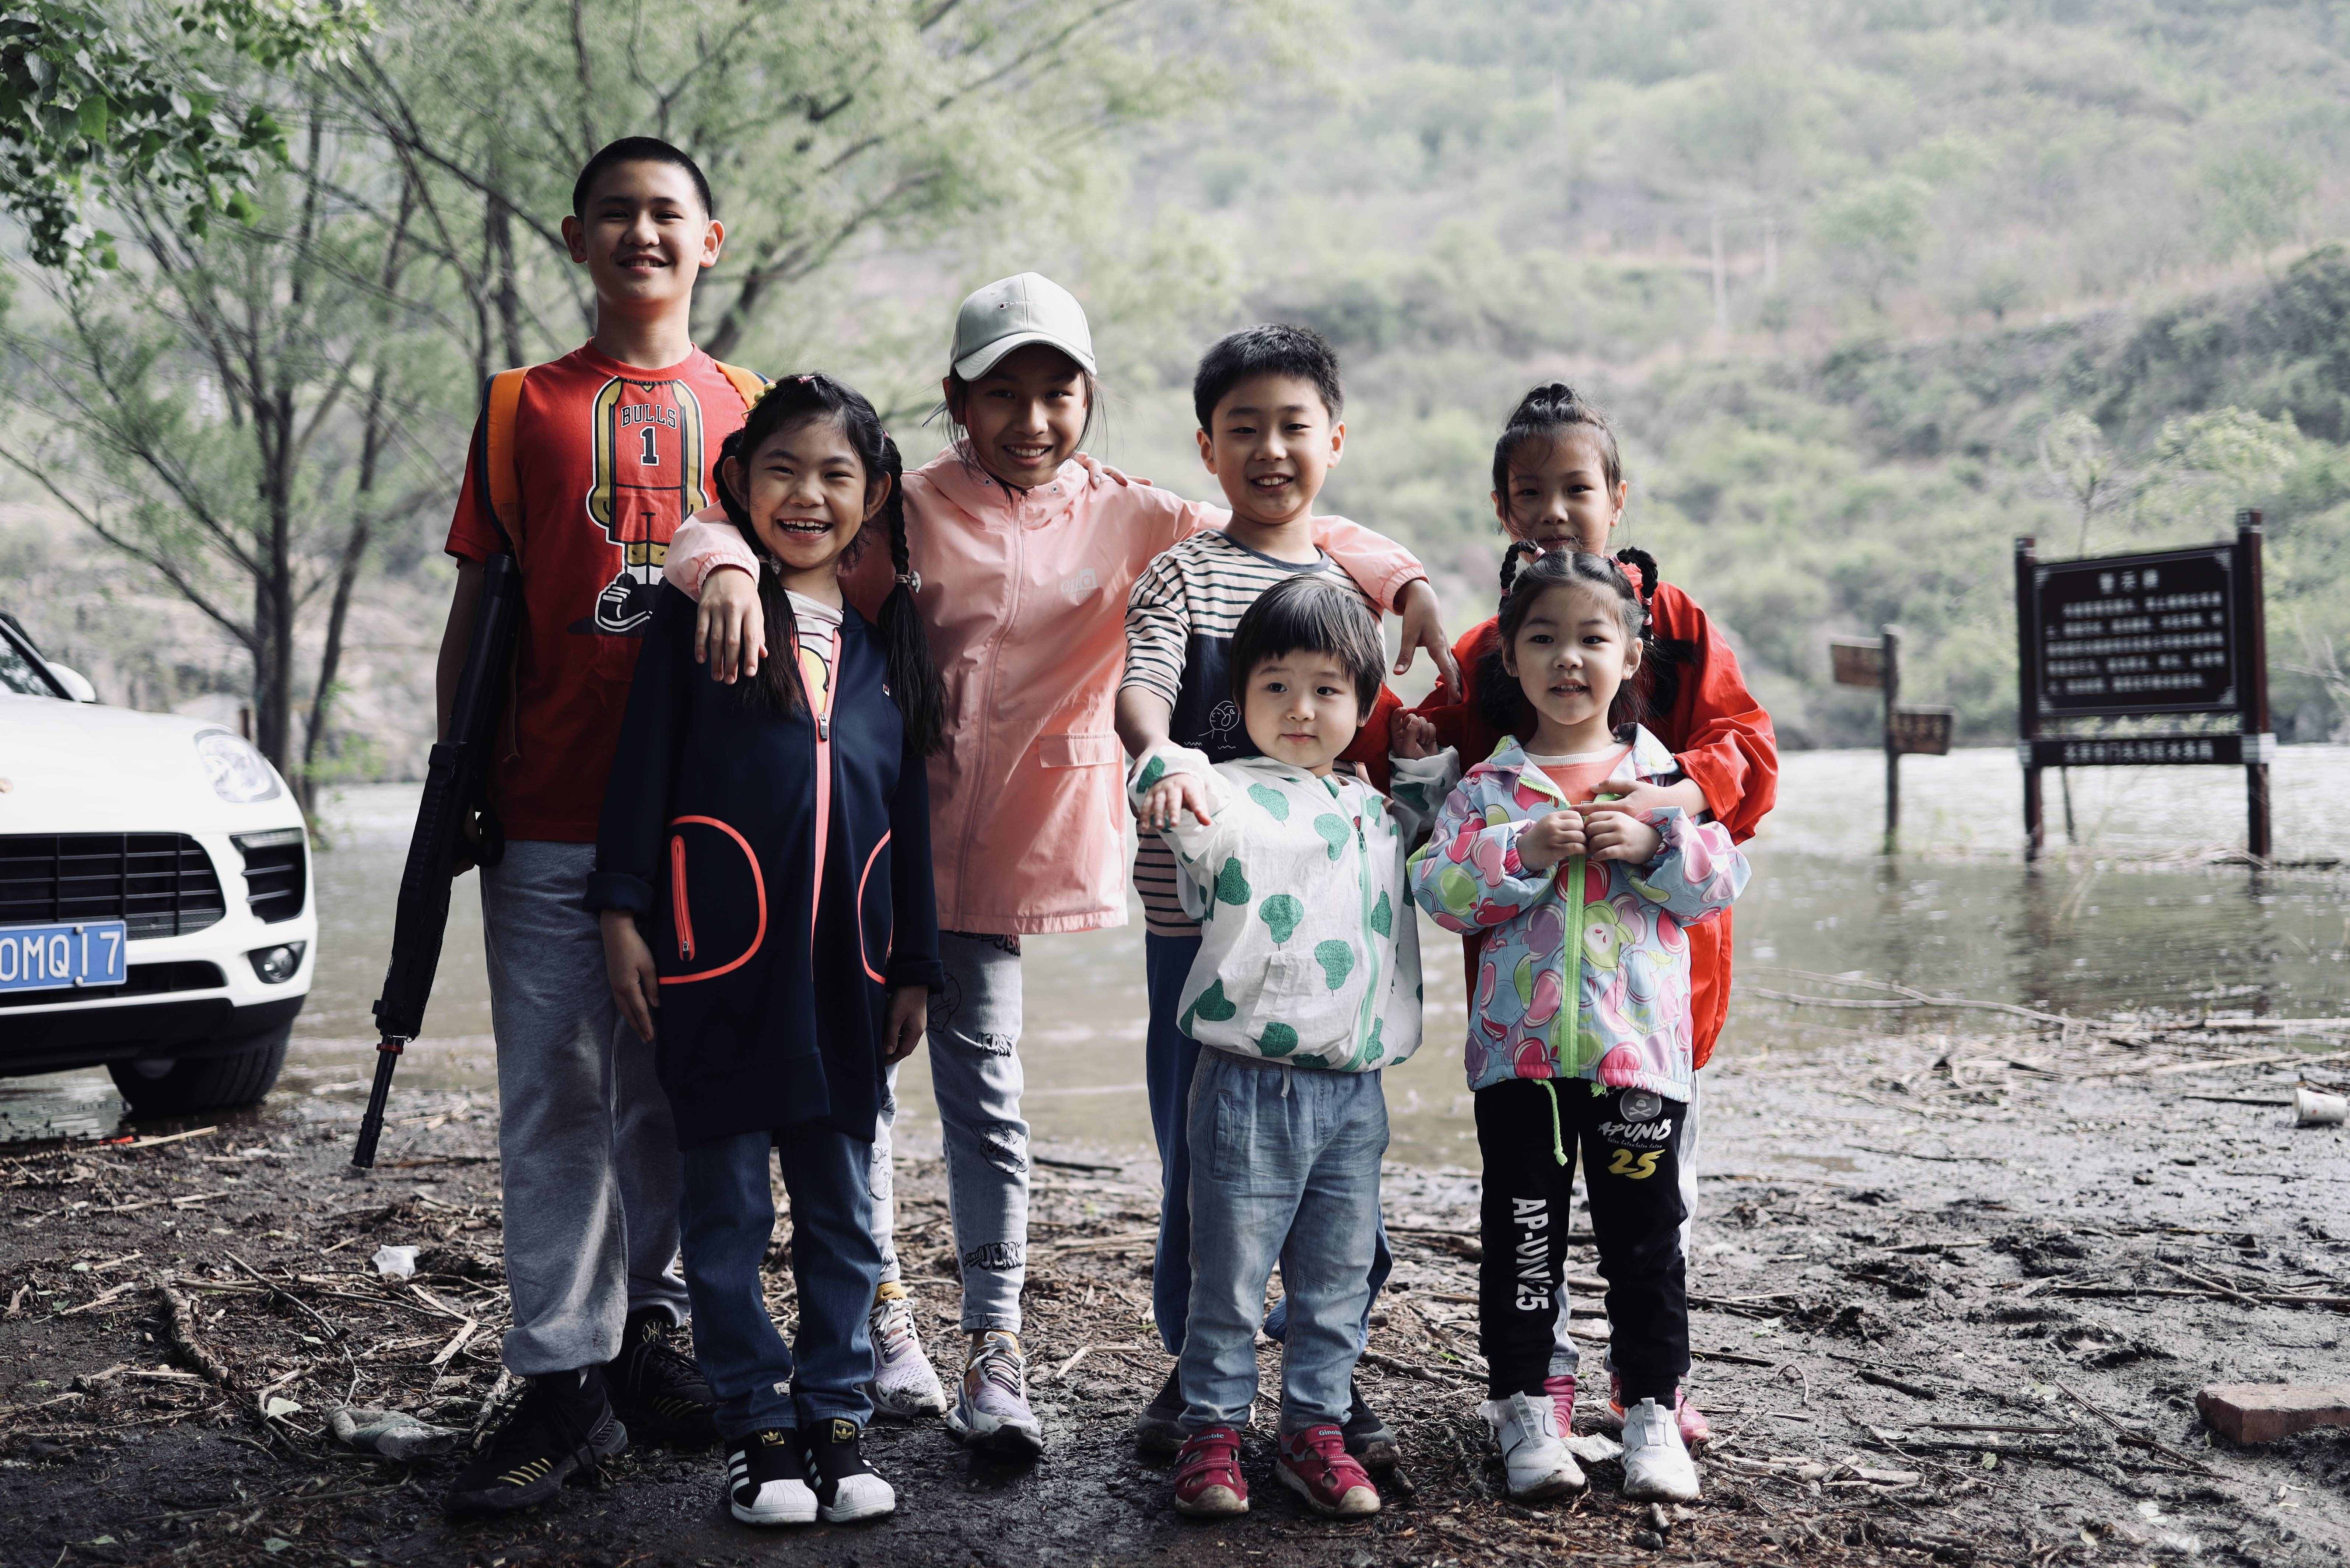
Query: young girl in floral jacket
{"points": [[1579, 1030]]}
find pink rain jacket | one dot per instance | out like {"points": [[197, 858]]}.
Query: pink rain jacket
{"points": [[1025, 599]]}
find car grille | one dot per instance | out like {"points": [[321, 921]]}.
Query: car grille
{"points": [[274, 872], [157, 884]]}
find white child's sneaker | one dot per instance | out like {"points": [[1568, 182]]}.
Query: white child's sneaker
{"points": [[905, 1385], [1656, 1463], [1534, 1450]]}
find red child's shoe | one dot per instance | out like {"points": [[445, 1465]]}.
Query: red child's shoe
{"points": [[1208, 1482], [1560, 1386], [1695, 1428], [1314, 1465]]}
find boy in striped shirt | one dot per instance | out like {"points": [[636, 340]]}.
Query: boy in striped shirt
{"points": [[1268, 401]]}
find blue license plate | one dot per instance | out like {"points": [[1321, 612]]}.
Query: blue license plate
{"points": [[69, 955]]}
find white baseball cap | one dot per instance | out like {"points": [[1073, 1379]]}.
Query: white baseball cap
{"points": [[1013, 312]]}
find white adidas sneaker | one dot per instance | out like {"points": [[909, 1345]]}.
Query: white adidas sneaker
{"points": [[1656, 1463], [767, 1479], [1534, 1450], [846, 1488]]}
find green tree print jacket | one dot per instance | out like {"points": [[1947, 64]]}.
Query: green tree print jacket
{"points": [[1309, 945]]}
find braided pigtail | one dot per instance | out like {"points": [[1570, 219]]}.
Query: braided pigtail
{"points": [[775, 689], [1662, 659], [905, 647], [1521, 549]]}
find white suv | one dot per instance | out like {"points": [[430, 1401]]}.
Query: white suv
{"points": [[156, 911]]}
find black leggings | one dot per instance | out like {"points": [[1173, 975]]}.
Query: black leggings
{"points": [[1528, 1130]]}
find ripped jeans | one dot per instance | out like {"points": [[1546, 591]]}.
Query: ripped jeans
{"points": [[973, 1044]]}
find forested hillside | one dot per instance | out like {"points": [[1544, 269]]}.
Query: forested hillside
{"points": [[1871, 287]]}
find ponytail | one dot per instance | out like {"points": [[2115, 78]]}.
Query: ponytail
{"points": [[913, 679], [905, 645]]}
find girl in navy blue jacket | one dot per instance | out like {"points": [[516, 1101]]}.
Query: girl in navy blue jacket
{"points": [[763, 868]]}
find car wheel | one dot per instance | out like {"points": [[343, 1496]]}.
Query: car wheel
{"points": [[166, 1088]]}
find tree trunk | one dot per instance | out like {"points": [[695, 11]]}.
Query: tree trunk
{"points": [[346, 576], [498, 267]]}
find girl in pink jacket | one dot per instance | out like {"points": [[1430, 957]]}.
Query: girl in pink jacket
{"points": [[1024, 549]]}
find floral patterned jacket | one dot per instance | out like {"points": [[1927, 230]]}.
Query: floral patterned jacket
{"points": [[1585, 968]]}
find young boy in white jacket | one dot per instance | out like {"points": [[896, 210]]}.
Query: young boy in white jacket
{"points": [[1306, 986]]}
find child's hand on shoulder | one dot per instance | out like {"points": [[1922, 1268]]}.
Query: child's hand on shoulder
{"points": [[1410, 737], [730, 625], [1554, 838], [1164, 803], [1614, 831]]}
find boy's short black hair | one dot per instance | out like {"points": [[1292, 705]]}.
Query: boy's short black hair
{"points": [[638, 149], [1274, 349], [1312, 614]]}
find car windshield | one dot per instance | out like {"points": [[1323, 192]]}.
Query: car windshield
{"points": [[17, 674]]}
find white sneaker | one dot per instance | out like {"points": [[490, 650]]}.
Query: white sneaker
{"points": [[990, 1408], [846, 1488], [1534, 1450], [905, 1385], [1656, 1463]]}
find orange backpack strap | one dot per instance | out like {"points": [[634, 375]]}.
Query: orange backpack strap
{"points": [[501, 477], [749, 383]]}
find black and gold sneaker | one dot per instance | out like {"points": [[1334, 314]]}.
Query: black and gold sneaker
{"points": [[563, 1428], [846, 1489], [657, 1389], [767, 1479]]}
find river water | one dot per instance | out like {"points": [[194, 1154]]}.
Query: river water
{"points": [[2136, 911]]}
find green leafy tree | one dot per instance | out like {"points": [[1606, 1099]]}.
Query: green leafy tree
{"points": [[1875, 233], [93, 96], [2078, 463], [825, 127], [226, 407]]}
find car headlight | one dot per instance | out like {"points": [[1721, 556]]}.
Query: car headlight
{"points": [[239, 774]]}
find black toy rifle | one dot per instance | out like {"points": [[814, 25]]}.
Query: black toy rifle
{"points": [[454, 818]]}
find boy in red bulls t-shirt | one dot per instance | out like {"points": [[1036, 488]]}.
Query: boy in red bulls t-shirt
{"points": [[583, 469]]}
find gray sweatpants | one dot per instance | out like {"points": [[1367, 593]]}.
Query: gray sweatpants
{"points": [[588, 1151], [974, 1042]]}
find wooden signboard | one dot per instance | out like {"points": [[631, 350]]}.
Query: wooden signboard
{"points": [[1908, 731], [1856, 660], [2148, 636], [1923, 732]]}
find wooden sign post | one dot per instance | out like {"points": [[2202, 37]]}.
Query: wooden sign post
{"points": [[2131, 636], [1876, 661]]}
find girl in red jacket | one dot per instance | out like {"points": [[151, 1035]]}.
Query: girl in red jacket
{"points": [[1558, 484]]}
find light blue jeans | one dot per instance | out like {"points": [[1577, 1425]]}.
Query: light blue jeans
{"points": [[1170, 1057], [1284, 1167], [975, 1076]]}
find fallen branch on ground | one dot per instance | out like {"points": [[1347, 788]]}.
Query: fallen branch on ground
{"points": [[178, 1329]]}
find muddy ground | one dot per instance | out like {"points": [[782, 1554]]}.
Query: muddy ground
{"points": [[1954, 1295]]}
